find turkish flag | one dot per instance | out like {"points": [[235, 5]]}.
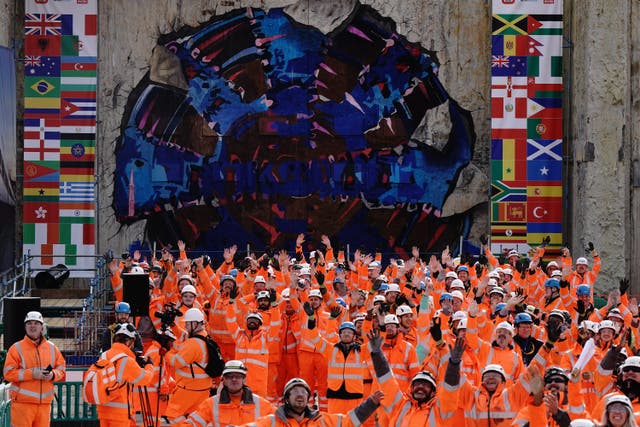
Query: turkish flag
{"points": [[544, 209]]}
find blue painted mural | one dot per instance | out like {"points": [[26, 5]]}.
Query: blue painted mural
{"points": [[282, 129]]}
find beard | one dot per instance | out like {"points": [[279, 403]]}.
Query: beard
{"points": [[253, 326]]}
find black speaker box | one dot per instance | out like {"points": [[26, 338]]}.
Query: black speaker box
{"points": [[15, 310], [136, 293]]}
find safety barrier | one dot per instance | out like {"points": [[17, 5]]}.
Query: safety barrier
{"points": [[68, 404]]}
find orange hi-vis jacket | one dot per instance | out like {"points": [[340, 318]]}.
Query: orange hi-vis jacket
{"points": [[224, 410], [349, 369], [404, 411], [496, 410], [313, 419], [167, 383], [217, 319], [326, 329], [129, 373], [589, 277], [22, 357], [402, 359], [253, 350], [189, 364], [508, 358]]}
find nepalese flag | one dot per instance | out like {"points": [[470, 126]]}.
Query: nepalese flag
{"points": [[42, 24]]}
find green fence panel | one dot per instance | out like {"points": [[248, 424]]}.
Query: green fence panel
{"points": [[68, 404]]}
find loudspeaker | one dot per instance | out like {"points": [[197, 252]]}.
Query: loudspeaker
{"points": [[15, 310], [52, 278], [136, 293]]}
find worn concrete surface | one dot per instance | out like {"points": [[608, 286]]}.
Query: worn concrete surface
{"points": [[603, 139]]}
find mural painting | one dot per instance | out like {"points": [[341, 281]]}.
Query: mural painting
{"points": [[253, 128]]}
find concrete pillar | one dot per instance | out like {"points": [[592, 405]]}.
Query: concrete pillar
{"points": [[600, 133]]}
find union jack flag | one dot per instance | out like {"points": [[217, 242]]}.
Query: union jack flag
{"points": [[499, 61], [42, 24], [32, 61]]}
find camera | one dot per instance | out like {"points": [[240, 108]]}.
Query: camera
{"points": [[168, 316]]}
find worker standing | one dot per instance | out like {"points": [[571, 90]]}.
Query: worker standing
{"points": [[32, 365]]}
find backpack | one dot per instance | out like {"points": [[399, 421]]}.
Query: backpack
{"points": [[215, 364], [99, 381]]}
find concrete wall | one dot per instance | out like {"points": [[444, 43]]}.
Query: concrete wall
{"points": [[603, 139]]}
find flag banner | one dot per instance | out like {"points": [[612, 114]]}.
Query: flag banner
{"points": [[526, 124], [60, 86]]}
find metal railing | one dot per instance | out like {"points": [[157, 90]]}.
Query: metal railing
{"points": [[92, 317], [15, 282]]}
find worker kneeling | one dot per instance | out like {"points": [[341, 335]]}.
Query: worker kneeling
{"points": [[295, 410], [234, 403]]}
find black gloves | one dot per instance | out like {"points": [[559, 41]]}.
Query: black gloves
{"points": [[564, 284], [233, 293], [402, 299], [308, 309], [206, 260], [590, 247], [624, 286], [545, 241], [376, 284], [272, 296], [435, 331], [335, 311], [319, 277], [484, 240], [457, 350]]}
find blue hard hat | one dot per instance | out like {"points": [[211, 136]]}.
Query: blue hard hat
{"points": [[347, 325], [446, 295], [342, 302], [384, 286], [463, 268], [522, 318], [552, 283], [583, 290], [499, 307], [123, 307]]}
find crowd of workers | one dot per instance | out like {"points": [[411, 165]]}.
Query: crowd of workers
{"points": [[322, 340]]}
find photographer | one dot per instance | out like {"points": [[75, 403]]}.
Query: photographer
{"points": [[117, 412], [156, 395], [123, 315]]}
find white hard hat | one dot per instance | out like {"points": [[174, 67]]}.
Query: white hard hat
{"points": [[254, 315], [234, 366], [34, 315], [495, 368], [315, 293], [456, 283], [295, 382], [125, 329], [259, 279], [424, 376], [497, 290], [379, 298], [505, 325], [403, 309], [552, 264], [391, 318], [193, 315], [618, 398], [393, 287], [305, 271], [633, 361], [556, 273], [457, 294], [513, 252], [263, 294], [462, 324], [359, 317], [188, 288], [458, 315], [582, 422], [507, 271], [186, 277], [582, 261], [606, 324], [136, 269], [286, 293], [452, 274], [493, 275]]}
